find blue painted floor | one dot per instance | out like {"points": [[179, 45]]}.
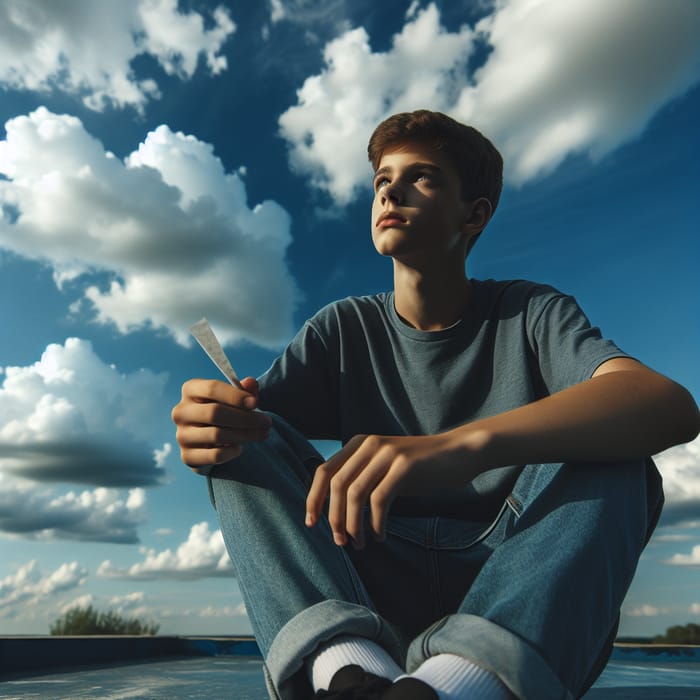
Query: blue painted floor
{"points": [[240, 678]]}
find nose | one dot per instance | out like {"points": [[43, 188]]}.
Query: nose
{"points": [[391, 193]]}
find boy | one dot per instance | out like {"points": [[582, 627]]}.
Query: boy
{"points": [[493, 493]]}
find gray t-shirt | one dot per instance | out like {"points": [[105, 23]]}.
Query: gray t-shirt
{"points": [[357, 368]]}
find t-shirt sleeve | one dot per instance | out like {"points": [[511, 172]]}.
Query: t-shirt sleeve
{"points": [[566, 347], [302, 386]]}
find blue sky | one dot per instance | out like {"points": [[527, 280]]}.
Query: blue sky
{"points": [[162, 161]]}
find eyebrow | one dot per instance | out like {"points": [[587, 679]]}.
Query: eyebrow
{"points": [[413, 166]]}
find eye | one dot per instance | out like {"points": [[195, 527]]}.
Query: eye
{"points": [[380, 182]]}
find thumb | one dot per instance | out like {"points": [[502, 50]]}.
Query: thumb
{"points": [[250, 384]]}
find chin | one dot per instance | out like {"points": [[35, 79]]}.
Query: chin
{"points": [[390, 245]]}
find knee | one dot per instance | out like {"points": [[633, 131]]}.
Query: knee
{"points": [[627, 491]]}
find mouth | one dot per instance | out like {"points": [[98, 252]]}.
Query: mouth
{"points": [[389, 218]]}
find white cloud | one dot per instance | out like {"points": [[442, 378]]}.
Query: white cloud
{"points": [[71, 418], [692, 559], [645, 610], [202, 555], [278, 11], [82, 601], [673, 538], [578, 77], [87, 48], [132, 605], [169, 226], [101, 515], [325, 16], [329, 127], [128, 601], [29, 586], [159, 456], [226, 611], [680, 469]]}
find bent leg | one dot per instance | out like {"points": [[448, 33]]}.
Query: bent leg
{"points": [[543, 609], [299, 587]]}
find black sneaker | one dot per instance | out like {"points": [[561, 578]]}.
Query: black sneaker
{"points": [[354, 683], [410, 689]]}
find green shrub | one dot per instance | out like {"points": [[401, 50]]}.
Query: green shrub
{"points": [[688, 634], [89, 621]]}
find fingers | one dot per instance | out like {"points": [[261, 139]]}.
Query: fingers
{"points": [[321, 484], [207, 444], [364, 489], [250, 384], [216, 391], [358, 475], [197, 458], [214, 419]]}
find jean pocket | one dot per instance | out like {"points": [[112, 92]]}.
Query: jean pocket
{"points": [[460, 535]]}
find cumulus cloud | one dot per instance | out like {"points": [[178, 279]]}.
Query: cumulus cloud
{"points": [[82, 601], [202, 555], [338, 108], [325, 15], [130, 601], [225, 611], [168, 226], [101, 515], [131, 605], [680, 469], [278, 11], [560, 78], [87, 49], [645, 610], [692, 559], [29, 586], [72, 418]]}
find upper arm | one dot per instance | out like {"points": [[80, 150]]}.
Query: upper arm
{"points": [[301, 385], [619, 364], [567, 347]]}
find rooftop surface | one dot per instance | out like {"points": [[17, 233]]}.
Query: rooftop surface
{"points": [[631, 674]]}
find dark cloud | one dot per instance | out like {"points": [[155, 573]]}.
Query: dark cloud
{"points": [[101, 515], [88, 461]]}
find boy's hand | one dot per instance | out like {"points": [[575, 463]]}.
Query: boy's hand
{"points": [[375, 470], [214, 419]]}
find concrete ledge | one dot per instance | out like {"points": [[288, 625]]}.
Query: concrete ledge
{"points": [[663, 653], [19, 654], [38, 654]]}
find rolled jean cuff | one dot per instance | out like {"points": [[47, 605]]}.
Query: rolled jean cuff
{"points": [[300, 637], [518, 665]]}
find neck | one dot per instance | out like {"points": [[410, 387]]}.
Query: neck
{"points": [[430, 301]]}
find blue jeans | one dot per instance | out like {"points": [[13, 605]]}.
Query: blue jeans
{"points": [[533, 596]]}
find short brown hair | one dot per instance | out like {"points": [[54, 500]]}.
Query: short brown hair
{"points": [[476, 160]]}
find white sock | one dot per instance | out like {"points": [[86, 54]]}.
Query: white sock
{"points": [[456, 678], [345, 650]]}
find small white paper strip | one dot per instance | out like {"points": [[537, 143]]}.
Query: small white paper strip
{"points": [[204, 335]]}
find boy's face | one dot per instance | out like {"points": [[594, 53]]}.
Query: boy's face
{"points": [[418, 213]]}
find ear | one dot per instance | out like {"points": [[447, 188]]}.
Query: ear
{"points": [[477, 214]]}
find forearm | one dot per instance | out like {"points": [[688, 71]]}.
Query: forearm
{"points": [[612, 417]]}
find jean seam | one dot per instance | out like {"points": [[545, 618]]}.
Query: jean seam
{"points": [[429, 634], [488, 530], [515, 505]]}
